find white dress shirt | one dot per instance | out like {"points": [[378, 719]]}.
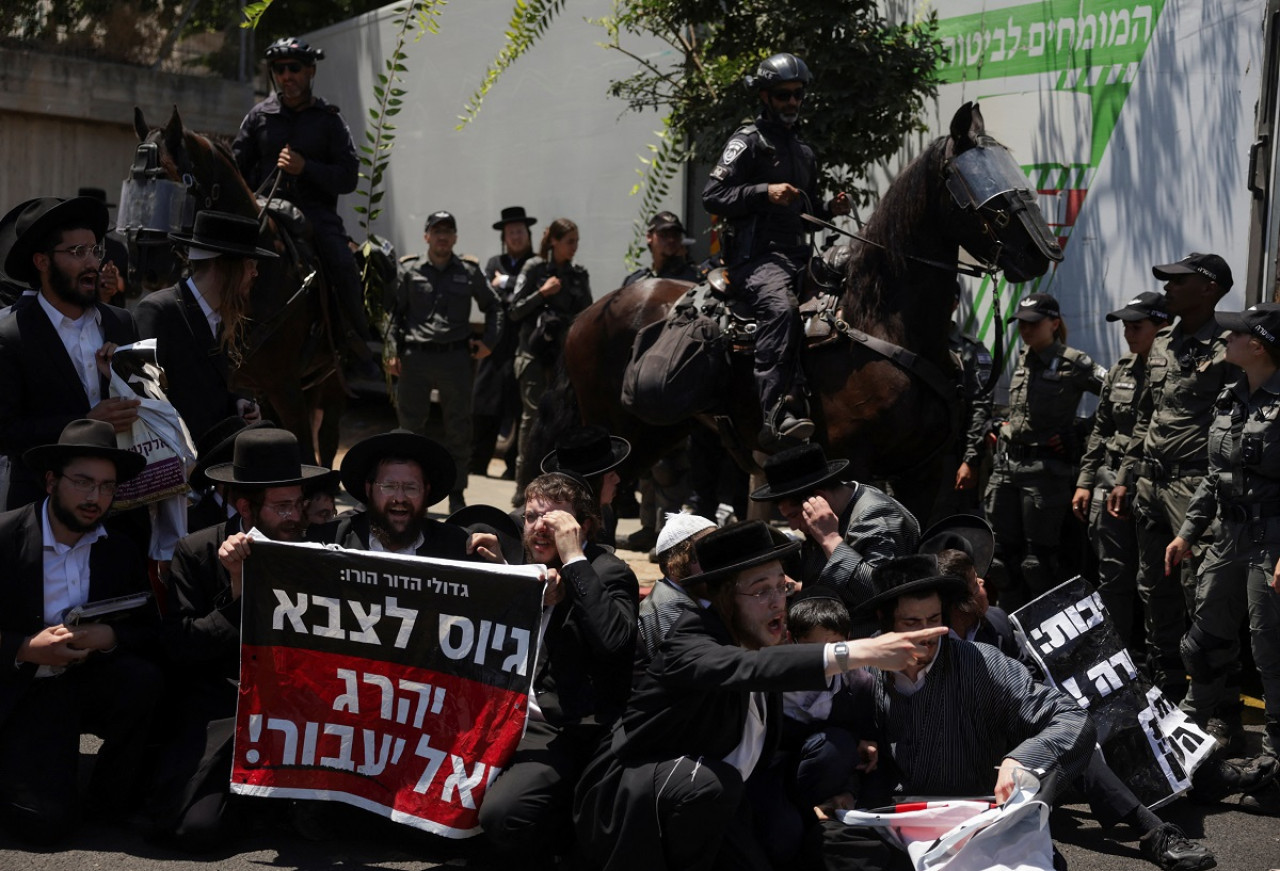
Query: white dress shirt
{"points": [[82, 338], [212, 318]]}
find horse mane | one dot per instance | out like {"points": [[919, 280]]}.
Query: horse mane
{"points": [[874, 276]]}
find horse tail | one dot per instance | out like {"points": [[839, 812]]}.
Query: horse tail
{"points": [[558, 413]]}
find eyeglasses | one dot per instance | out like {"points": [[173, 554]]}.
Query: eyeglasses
{"points": [[787, 95], [88, 486], [391, 488], [80, 252], [770, 594], [293, 67], [285, 510]]}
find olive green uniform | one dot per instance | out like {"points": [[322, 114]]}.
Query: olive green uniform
{"points": [[1168, 456], [1114, 539], [973, 418], [1031, 483]]}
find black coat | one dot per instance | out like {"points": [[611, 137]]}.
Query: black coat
{"points": [[202, 621], [116, 568], [196, 368], [40, 392], [439, 540]]}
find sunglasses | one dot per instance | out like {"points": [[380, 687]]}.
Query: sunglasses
{"points": [[786, 96], [293, 67]]}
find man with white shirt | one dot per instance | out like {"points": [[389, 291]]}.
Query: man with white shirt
{"points": [[57, 680], [55, 353]]}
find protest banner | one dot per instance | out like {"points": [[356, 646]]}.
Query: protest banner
{"points": [[395, 684], [1151, 745]]}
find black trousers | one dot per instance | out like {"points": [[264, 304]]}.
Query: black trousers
{"points": [[112, 696]]}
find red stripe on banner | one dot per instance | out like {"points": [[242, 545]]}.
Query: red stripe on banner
{"points": [[416, 745]]}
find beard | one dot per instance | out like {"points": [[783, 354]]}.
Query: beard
{"points": [[67, 288], [381, 528], [68, 518]]}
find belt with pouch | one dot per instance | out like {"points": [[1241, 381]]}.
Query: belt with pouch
{"points": [[1245, 512], [437, 347], [1022, 453], [1159, 471]]}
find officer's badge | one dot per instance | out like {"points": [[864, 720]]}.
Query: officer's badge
{"points": [[731, 151]]}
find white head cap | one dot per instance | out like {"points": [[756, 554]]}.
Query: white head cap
{"points": [[678, 528]]}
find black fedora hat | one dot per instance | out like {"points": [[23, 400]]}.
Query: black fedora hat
{"points": [[487, 518], [9, 230], [216, 445], [728, 551], [224, 233], [917, 574], [86, 438], [265, 457], [42, 216], [965, 532], [514, 215], [586, 452], [99, 194], [439, 471], [797, 470]]}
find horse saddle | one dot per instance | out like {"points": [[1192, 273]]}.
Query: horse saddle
{"points": [[714, 299]]}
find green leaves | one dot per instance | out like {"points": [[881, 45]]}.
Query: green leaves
{"points": [[253, 13], [529, 20]]}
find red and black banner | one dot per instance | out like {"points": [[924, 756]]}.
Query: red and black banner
{"points": [[395, 684]]}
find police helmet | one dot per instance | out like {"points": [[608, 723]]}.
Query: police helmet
{"points": [[291, 46], [778, 69]]}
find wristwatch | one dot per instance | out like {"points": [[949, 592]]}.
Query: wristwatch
{"points": [[841, 650]]}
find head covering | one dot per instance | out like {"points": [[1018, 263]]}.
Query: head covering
{"points": [[740, 546], [1148, 305], [797, 470], [9, 230], [42, 216], [586, 452], [487, 518], [216, 446], [1036, 307], [293, 47], [1262, 321], [86, 438], [514, 215], [439, 471], [218, 233], [965, 532], [265, 457], [917, 575], [665, 221], [1211, 266], [440, 218], [95, 193], [678, 528]]}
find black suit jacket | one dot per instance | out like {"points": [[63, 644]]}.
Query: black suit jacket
{"points": [[116, 568], [40, 392], [584, 671], [202, 621], [439, 540], [196, 368]]}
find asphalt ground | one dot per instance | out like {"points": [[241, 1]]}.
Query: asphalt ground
{"points": [[356, 841]]}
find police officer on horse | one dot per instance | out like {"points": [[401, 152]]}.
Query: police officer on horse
{"points": [[766, 178]]}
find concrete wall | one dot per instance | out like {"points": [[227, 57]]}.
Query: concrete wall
{"points": [[67, 123]]}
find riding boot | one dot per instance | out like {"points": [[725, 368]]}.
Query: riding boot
{"points": [[785, 424]]}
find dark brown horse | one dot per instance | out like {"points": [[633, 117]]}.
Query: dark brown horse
{"points": [[891, 423], [288, 359]]}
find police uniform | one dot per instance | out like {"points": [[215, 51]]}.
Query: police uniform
{"points": [[1114, 539], [1241, 490], [495, 397], [973, 418], [1167, 458], [430, 333], [676, 268], [1031, 481]]}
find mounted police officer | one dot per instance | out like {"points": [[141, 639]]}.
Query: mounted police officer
{"points": [[666, 243], [766, 178], [304, 138]]}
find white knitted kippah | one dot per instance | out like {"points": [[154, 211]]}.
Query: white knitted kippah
{"points": [[679, 527]]}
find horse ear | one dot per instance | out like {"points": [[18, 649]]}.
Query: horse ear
{"points": [[140, 124], [977, 126], [961, 122], [173, 132]]}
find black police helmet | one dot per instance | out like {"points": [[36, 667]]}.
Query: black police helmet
{"points": [[779, 69], [291, 46]]}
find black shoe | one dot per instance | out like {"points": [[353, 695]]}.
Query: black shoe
{"points": [[642, 539], [1216, 778], [1228, 730], [1167, 847], [1264, 802], [792, 427], [456, 502]]}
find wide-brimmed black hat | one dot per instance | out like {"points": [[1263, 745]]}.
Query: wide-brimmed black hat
{"points": [[1211, 266], [42, 216], [487, 518], [740, 546], [225, 233], [514, 215], [216, 446], [439, 471], [1148, 305], [917, 574], [965, 532], [86, 438], [1036, 307], [9, 230], [586, 452], [797, 470], [99, 194], [1262, 321], [265, 457]]}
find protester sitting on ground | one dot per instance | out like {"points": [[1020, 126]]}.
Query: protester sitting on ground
{"points": [[582, 679], [965, 546], [677, 589], [668, 790], [849, 527], [593, 455], [322, 503]]}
